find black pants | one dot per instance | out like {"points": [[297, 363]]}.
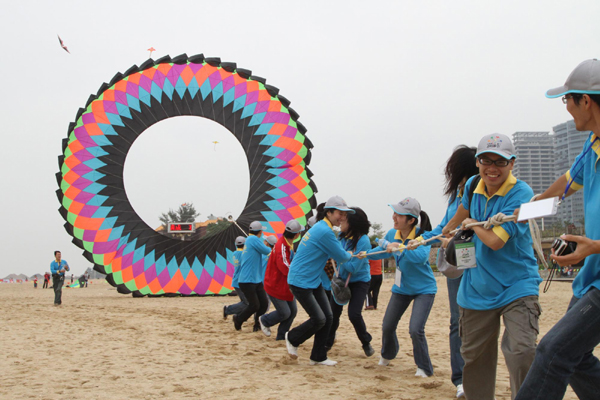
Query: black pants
{"points": [[257, 301], [45, 284], [359, 291], [373, 293], [57, 282]]}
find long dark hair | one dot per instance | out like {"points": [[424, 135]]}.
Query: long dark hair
{"points": [[425, 224], [358, 225], [461, 165]]}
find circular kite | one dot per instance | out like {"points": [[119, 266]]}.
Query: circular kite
{"points": [[98, 214]]}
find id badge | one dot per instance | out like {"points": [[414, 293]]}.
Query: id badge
{"points": [[465, 255], [397, 277]]}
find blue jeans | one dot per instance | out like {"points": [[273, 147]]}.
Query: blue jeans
{"points": [[237, 307], [565, 355], [359, 291], [316, 305], [420, 312], [284, 314], [456, 360]]}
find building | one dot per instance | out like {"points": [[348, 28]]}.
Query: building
{"points": [[542, 157]]}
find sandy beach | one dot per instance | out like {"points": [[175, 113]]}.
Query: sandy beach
{"points": [[103, 345]]}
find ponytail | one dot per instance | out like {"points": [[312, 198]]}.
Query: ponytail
{"points": [[425, 224], [321, 212]]}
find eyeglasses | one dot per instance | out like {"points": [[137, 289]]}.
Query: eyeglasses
{"points": [[501, 162], [566, 98]]}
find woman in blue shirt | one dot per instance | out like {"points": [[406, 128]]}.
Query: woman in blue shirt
{"points": [[304, 278], [354, 238], [417, 284]]}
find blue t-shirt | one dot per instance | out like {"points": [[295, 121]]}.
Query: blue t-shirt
{"points": [[584, 173], [252, 260], [236, 258], [360, 269], [325, 280], [450, 211], [317, 245], [416, 274], [507, 274], [55, 267]]}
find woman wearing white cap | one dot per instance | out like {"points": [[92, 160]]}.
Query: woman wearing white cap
{"points": [[276, 284], [417, 284], [304, 278], [251, 276]]}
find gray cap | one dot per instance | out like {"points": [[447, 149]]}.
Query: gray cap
{"points": [[312, 220], [240, 240], [272, 240], [497, 144], [408, 206], [257, 226], [585, 78], [339, 204], [293, 226]]}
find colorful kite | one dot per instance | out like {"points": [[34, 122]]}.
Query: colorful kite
{"points": [[63, 45], [92, 195], [151, 49]]}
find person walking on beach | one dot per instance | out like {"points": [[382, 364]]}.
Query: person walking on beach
{"points": [[58, 267], [46, 280], [415, 284], [251, 276], [276, 284], [304, 278], [355, 239]]}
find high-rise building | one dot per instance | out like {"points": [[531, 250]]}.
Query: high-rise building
{"points": [[542, 157]]}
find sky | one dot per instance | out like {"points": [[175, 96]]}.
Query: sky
{"points": [[386, 90]]}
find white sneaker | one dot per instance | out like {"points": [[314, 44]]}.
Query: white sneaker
{"points": [[421, 373], [459, 391], [292, 350], [384, 361], [326, 362], [266, 330]]}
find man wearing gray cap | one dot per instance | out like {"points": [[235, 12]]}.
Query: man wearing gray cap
{"points": [[565, 355], [504, 284]]}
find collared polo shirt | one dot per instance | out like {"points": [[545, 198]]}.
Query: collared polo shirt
{"points": [[585, 174], [360, 269], [236, 258], [252, 260], [507, 274]]}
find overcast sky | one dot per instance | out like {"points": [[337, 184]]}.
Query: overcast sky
{"points": [[386, 90]]}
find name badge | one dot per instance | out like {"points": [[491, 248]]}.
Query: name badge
{"points": [[397, 277], [465, 255]]}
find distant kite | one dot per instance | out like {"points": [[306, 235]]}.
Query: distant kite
{"points": [[151, 49], [215, 147], [92, 194], [63, 45]]}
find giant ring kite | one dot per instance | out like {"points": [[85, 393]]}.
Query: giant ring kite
{"points": [[98, 215]]}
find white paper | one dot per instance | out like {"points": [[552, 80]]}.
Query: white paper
{"points": [[538, 209], [397, 277]]}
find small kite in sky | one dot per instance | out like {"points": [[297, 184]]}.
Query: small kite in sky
{"points": [[151, 49], [215, 147], [63, 45]]}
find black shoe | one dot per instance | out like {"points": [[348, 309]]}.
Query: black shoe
{"points": [[236, 325], [368, 349], [224, 312], [256, 328]]}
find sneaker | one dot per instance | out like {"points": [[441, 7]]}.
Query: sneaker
{"points": [[266, 330], [384, 361], [236, 325], [292, 350], [460, 391], [224, 312], [421, 373], [368, 349], [326, 362]]}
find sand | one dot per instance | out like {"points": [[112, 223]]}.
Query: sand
{"points": [[104, 345]]}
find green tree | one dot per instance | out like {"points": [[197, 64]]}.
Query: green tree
{"points": [[377, 232], [214, 228], [185, 213]]}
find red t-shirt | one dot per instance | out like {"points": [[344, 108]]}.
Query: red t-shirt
{"points": [[276, 274], [375, 267]]}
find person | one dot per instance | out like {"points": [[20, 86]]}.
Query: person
{"points": [[276, 284], [415, 283], [58, 267], [35, 279], [236, 259], [565, 354], [251, 276], [504, 284], [46, 280], [376, 281], [355, 239], [459, 167], [304, 279]]}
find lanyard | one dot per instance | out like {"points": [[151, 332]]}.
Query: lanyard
{"points": [[570, 182]]}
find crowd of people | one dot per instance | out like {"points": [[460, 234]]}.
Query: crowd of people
{"points": [[326, 270]]}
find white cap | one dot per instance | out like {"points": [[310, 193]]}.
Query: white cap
{"points": [[257, 226], [293, 226]]}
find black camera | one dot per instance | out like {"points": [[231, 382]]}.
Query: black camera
{"points": [[563, 247]]}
